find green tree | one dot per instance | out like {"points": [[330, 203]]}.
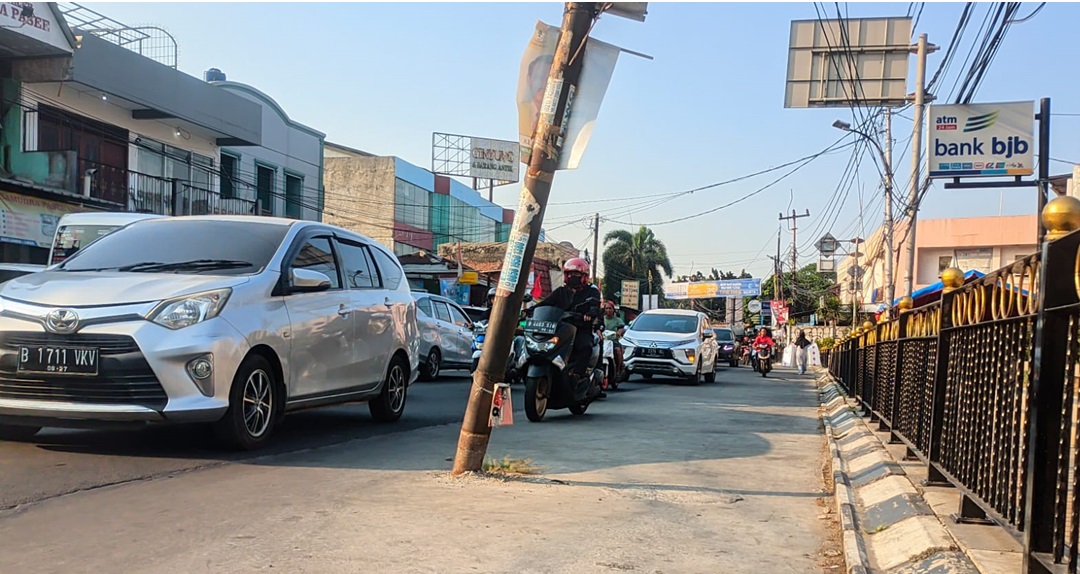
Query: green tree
{"points": [[805, 293], [634, 256]]}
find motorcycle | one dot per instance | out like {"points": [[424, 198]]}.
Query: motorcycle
{"points": [[612, 376], [764, 357], [516, 363], [552, 381]]}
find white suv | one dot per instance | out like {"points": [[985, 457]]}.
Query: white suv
{"points": [[671, 342], [226, 320]]}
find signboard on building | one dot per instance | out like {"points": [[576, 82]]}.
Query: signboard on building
{"points": [[713, 289], [631, 294], [493, 159], [982, 140], [979, 259], [35, 20], [30, 221]]}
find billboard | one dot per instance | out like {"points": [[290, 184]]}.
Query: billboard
{"points": [[850, 62], [981, 140], [480, 158], [713, 289], [631, 294]]}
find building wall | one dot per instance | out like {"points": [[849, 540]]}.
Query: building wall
{"points": [[287, 147], [360, 194]]}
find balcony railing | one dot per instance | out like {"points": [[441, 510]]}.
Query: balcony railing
{"points": [[984, 387], [152, 194]]}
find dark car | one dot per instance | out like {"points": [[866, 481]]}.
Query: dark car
{"points": [[730, 349]]}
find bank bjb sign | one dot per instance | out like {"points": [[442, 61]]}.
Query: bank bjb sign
{"points": [[981, 140], [494, 159]]}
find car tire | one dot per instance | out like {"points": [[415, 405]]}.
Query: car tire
{"points": [[695, 379], [253, 406], [647, 376], [390, 404], [17, 433], [579, 408], [432, 366], [711, 377]]}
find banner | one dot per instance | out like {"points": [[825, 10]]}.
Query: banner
{"points": [[533, 95], [451, 289], [780, 312], [979, 140], [713, 289], [31, 221]]}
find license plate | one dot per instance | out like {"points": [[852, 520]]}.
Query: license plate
{"points": [[542, 327], [652, 352], [58, 360]]}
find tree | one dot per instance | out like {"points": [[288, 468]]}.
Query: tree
{"points": [[804, 295], [634, 256]]}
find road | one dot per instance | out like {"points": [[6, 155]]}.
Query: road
{"points": [[61, 462]]}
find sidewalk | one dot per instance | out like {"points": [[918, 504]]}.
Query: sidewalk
{"points": [[724, 477]]}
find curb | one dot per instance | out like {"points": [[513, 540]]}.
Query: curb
{"points": [[886, 524]]}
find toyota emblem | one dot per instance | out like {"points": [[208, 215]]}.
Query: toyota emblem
{"points": [[62, 321]]}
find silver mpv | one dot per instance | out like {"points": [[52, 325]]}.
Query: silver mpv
{"points": [[228, 320]]}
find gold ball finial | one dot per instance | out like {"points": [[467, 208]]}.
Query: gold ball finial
{"points": [[1061, 216], [905, 303], [952, 278], [867, 326]]}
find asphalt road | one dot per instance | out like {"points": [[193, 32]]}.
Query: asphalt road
{"points": [[61, 462]]}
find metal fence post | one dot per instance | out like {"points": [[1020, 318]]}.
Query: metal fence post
{"points": [[952, 279]]}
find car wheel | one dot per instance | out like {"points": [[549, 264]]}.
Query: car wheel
{"points": [[253, 406], [647, 376], [579, 408], [695, 379], [431, 368], [711, 377], [390, 404], [16, 432]]}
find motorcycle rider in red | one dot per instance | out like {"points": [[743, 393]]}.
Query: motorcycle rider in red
{"points": [[764, 340], [569, 297]]}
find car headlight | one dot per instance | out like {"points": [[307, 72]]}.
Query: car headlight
{"points": [[190, 309], [684, 343]]}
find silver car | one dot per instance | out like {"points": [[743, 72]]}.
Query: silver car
{"points": [[671, 342], [446, 335], [226, 320]]}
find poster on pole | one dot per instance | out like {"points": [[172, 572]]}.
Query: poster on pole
{"points": [[596, 71], [631, 294], [981, 140]]}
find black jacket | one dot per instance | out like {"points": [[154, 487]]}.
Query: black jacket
{"points": [[567, 299]]}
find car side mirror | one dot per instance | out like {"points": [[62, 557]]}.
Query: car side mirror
{"points": [[308, 281]]}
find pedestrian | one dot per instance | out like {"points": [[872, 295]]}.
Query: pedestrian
{"points": [[801, 345]]}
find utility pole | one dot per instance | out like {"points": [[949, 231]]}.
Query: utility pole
{"points": [[578, 18], [916, 152], [890, 279], [596, 248], [794, 217]]}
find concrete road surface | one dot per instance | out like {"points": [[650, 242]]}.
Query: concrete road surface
{"points": [[660, 478]]}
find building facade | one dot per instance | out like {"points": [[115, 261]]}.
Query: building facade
{"points": [[88, 125], [404, 206], [971, 243]]}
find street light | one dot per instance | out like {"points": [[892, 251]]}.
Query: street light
{"points": [[888, 223]]}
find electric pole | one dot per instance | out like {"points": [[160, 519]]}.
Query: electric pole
{"points": [[916, 152], [890, 279], [596, 249], [563, 78], [794, 244]]}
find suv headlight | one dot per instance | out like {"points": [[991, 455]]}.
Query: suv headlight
{"points": [[190, 309]]}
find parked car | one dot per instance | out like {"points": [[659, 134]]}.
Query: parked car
{"points": [[229, 320], [77, 230], [446, 335], [671, 342], [9, 271], [729, 348]]}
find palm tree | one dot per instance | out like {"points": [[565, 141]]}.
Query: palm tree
{"points": [[630, 256]]}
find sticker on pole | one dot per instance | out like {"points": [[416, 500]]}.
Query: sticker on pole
{"points": [[502, 407]]}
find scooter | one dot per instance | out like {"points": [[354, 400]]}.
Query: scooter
{"points": [[516, 362], [612, 376], [764, 357], [550, 380]]}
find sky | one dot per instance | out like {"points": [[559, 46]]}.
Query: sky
{"points": [[708, 108]]}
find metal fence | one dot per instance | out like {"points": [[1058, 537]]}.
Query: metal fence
{"points": [[983, 387]]}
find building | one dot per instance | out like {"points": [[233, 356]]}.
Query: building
{"points": [[90, 125], [284, 175], [970, 243], [404, 206]]}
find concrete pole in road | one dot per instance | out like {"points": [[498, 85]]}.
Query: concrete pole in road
{"points": [[562, 81], [916, 153]]}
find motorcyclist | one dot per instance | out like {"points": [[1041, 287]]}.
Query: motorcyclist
{"points": [[570, 297], [764, 340], [613, 322], [488, 304]]}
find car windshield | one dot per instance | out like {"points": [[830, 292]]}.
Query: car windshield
{"points": [[70, 238], [663, 323], [182, 245], [724, 335]]}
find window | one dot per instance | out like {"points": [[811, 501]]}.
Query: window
{"points": [[458, 317], [264, 187], [357, 267], [389, 270], [425, 307], [294, 196], [441, 311], [317, 255], [98, 146], [411, 204], [228, 176]]}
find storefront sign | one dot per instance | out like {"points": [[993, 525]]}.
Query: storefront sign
{"points": [[493, 159], [980, 140], [980, 259], [30, 221], [34, 20], [713, 289]]}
